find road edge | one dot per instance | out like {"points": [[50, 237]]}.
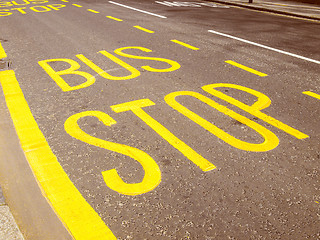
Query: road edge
{"points": [[31, 210]]}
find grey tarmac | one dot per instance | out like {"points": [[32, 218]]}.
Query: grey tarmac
{"points": [[221, 122]]}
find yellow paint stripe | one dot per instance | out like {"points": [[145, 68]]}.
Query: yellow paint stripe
{"points": [[246, 68], [312, 94], [116, 19], [136, 108], [90, 10], [64, 1], [77, 5], [152, 173], [2, 52], [185, 44], [144, 29], [78, 216]]}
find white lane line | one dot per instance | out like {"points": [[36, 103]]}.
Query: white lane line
{"points": [[153, 14], [266, 47]]}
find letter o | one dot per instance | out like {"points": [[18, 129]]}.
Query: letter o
{"points": [[45, 9]]}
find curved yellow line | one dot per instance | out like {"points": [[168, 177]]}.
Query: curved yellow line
{"points": [[77, 215]]}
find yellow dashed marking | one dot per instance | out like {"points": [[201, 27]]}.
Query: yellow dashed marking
{"points": [[64, 1], [312, 94], [77, 5], [143, 29], [185, 44], [246, 68], [90, 10], [116, 19]]}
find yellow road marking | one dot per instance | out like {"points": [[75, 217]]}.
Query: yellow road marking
{"points": [[90, 10], [136, 108], [262, 102], [64, 1], [270, 142], [152, 176], [77, 5], [56, 7], [312, 94], [185, 44], [74, 66], [78, 216], [57, 76], [144, 29], [134, 72], [2, 52], [116, 19], [246, 68], [174, 65]]}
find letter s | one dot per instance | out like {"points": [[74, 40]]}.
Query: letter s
{"points": [[174, 65], [152, 177]]}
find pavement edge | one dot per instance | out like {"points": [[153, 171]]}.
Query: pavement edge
{"points": [[24, 198], [31, 210], [8, 227], [243, 5]]}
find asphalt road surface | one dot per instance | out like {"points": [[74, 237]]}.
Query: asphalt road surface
{"points": [[167, 121]]}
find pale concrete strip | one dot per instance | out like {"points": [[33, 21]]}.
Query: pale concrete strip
{"points": [[8, 227], [32, 212]]}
